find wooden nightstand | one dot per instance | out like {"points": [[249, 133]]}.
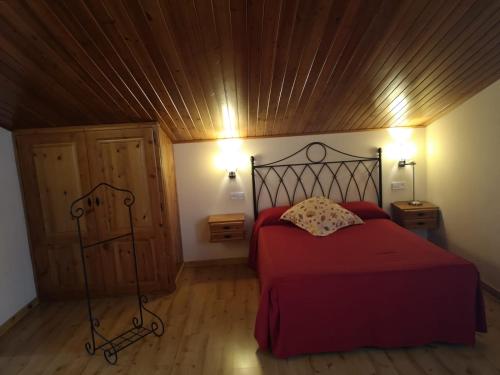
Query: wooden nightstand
{"points": [[411, 217], [226, 227]]}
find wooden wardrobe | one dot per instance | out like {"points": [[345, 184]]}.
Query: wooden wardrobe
{"points": [[59, 165]]}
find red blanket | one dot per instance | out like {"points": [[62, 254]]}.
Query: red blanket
{"points": [[374, 284]]}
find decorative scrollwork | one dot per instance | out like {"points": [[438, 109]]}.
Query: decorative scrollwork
{"points": [[111, 355], [157, 325], [90, 348], [321, 146], [77, 210], [129, 200], [109, 349], [138, 323], [158, 329]]}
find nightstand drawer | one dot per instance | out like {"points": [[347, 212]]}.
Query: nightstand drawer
{"points": [[420, 215], [424, 223], [224, 227], [226, 236]]}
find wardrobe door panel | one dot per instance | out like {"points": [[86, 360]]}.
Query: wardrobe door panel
{"points": [[119, 261], [126, 159], [124, 163], [65, 266], [58, 180]]}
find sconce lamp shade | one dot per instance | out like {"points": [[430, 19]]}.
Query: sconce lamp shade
{"points": [[230, 157]]}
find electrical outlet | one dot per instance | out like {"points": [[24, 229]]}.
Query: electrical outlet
{"points": [[398, 185], [237, 195]]}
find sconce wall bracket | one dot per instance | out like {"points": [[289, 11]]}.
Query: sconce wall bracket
{"points": [[404, 163]]}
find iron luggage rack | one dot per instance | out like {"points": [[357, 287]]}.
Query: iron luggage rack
{"points": [[139, 330]]}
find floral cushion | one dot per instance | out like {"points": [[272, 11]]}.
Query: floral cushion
{"points": [[320, 216]]}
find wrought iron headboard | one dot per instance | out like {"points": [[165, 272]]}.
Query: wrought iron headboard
{"points": [[300, 176]]}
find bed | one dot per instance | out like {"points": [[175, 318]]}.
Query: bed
{"points": [[369, 285]]}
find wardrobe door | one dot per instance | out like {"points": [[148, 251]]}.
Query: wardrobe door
{"points": [[54, 172], [125, 158]]}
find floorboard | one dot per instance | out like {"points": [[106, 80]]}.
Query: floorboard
{"points": [[209, 330]]}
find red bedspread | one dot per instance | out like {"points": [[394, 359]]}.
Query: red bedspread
{"points": [[375, 285]]}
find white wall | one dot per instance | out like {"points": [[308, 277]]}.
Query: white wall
{"points": [[204, 190], [17, 287], [463, 176]]}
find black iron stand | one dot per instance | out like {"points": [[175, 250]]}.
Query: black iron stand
{"points": [[139, 330]]}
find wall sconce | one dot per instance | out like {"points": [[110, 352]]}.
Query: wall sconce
{"points": [[403, 163], [403, 149], [230, 157]]}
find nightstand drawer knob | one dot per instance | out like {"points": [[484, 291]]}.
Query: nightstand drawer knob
{"points": [[227, 227], [421, 214]]}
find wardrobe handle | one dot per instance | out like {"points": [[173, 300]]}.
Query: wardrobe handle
{"points": [[97, 201], [89, 202]]}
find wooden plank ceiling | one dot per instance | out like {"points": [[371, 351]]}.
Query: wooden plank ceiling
{"points": [[216, 68]]}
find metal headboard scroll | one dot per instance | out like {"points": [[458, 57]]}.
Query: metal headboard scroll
{"points": [[111, 346], [313, 171]]}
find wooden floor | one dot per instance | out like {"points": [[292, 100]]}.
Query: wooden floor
{"points": [[209, 331]]}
